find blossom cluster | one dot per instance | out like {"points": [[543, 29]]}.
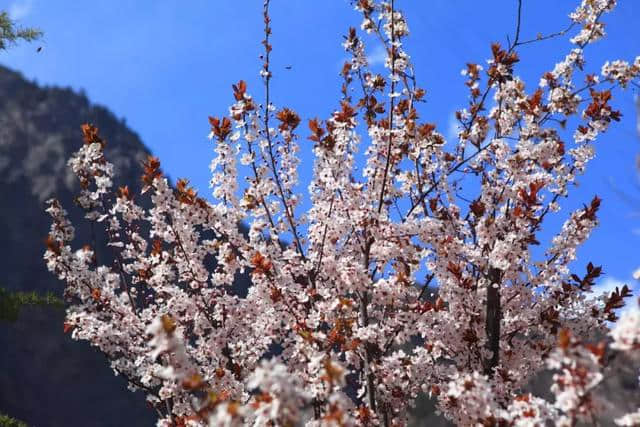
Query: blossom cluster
{"points": [[391, 284]]}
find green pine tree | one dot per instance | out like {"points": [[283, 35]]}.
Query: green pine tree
{"points": [[12, 302], [11, 33], [6, 421]]}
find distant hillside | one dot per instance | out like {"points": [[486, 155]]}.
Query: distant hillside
{"points": [[46, 378]]}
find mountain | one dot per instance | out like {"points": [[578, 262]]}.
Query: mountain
{"points": [[47, 379]]}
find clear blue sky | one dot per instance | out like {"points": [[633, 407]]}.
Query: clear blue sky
{"points": [[166, 65]]}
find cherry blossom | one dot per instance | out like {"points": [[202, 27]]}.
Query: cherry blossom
{"points": [[391, 284]]}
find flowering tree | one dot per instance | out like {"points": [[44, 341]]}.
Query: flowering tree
{"points": [[339, 327]]}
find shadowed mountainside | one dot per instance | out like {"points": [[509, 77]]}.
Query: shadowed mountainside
{"points": [[47, 379]]}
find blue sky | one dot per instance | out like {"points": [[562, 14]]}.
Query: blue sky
{"points": [[166, 65]]}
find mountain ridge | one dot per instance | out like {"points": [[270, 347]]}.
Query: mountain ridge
{"points": [[46, 378]]}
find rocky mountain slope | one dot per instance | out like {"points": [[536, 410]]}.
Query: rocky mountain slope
{"points": [[46, 379]]}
